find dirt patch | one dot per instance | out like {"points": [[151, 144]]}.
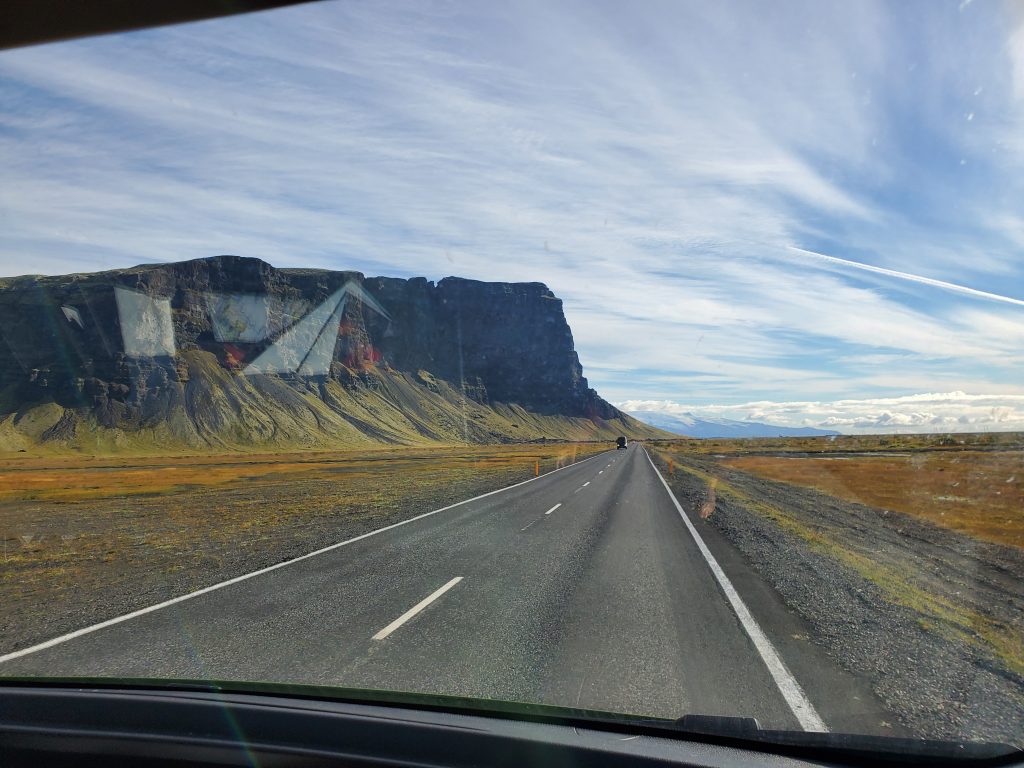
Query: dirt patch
{"points": [[87, 539], [931, 616]]}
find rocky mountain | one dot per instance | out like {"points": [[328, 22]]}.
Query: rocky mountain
{"points": [[231, 353], [694, 426]]}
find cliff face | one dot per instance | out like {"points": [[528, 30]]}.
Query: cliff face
{"points": [[231, 352]]}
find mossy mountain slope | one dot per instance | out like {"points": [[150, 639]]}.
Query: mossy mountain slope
{"points": [[229, 353]]}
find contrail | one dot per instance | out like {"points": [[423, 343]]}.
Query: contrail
{"points": [[963, 289]]}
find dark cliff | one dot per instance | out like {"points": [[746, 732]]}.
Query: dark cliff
{"points": [[231, 352]]}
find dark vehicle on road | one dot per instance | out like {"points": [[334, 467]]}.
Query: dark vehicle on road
{"points": [[620, 443]]}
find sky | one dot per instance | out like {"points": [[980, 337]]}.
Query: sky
{"points": [[810, 213]]}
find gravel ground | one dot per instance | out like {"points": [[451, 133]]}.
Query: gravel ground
{"points": [[940, 686]]}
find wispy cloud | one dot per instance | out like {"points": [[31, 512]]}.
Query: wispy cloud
{"points": [[667, 170], [961, 289]]}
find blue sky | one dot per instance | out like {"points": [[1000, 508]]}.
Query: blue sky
{"points": [[702, 183]]}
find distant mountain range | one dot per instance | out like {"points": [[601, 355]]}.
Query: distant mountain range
{"points": [[694, 426]]}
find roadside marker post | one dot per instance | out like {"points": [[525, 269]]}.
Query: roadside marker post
{"points": [[536, 469]]}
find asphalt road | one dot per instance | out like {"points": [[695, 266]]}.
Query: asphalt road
{"points": [[584, 587]]}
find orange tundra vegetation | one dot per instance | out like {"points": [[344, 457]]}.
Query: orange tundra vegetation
{"points": [[77, 479], [980, 493]]}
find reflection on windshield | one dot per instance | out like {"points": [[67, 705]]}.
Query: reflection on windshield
{"points": [[307, 347], [145, 323], [680, 375], [279, 335]]}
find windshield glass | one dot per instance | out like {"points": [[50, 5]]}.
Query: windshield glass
{"points": [[661, 359]]}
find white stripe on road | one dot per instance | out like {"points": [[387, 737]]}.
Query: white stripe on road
{"points": [[585, 484], [600, 471], [220, 585], [553, 508], [416, 609], [787, 684]]}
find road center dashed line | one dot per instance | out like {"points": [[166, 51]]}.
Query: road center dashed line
{"points": [[416, 609], [553, 508]]}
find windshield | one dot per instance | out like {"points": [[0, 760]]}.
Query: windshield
{"points": [[654, 359]]}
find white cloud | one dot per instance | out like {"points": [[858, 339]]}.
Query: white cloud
{"points": [[923, 412]]}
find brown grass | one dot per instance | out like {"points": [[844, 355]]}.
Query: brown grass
{"points": [[982, 441], [76, 479], [975, 492]]}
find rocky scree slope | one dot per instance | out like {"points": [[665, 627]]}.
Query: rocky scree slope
{"points": [[231, 353]]}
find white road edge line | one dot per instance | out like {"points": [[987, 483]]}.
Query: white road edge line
{"points": [[416, 609], [791, 691], [553, 508], [220, 585]]}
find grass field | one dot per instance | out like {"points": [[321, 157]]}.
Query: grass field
{"points": [[980, 493], [77, 479], [982, 441]]}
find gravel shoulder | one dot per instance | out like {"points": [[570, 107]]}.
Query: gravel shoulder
{"points": [[931, 617]]}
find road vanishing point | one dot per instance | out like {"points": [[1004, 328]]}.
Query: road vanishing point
{"points": [[589, 586]]}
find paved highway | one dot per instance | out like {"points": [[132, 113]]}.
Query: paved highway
{"points": [[585, 587]]}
